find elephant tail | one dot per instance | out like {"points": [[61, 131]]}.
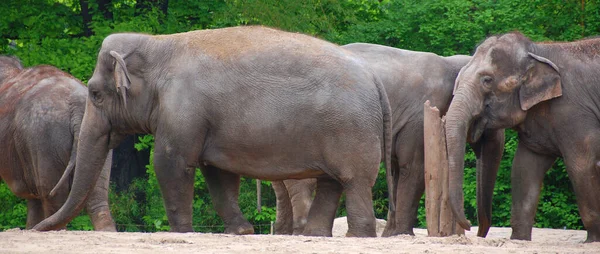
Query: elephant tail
{"points": [[387, 142], [71, 165]]}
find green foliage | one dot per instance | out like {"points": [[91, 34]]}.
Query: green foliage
{"points": [[13, 211], [52, 32]]}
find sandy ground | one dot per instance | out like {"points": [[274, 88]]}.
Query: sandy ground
{"points": [[544, 241]]}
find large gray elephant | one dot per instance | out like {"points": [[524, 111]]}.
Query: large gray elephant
{"points": [[550, 94], [410, 78], [41, 109], [249, 101]]}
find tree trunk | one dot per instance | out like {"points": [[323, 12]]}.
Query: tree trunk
{"points": [[440, 220], [128, 163], [104, 8], [86, 16]]}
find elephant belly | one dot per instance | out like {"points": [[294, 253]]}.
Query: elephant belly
{"points": [[262, 164]]}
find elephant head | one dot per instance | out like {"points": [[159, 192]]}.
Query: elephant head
{"points": [[120, 102], [504, 79]]}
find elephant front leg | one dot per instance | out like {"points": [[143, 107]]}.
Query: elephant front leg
{"points": [[176, 182], [283, 223], [224, 188], [97, 204], [300, 192], [527, 176], [489, 151], [324, 206]]}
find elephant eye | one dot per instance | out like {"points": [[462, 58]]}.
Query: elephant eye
{"points": [[96, 96], [486, 81]]}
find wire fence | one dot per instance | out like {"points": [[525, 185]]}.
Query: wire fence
{"points": [[258, 228]]}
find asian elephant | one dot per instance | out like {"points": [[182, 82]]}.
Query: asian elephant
{"points": [[249, 101], [410, 78], [41, 109], [550, 94]]}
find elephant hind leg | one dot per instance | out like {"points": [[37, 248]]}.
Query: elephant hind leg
{"points": [[586, 182], [224, 189], [359, 205], [322, 212], [408, 166], [35, 212], [592, 218]]}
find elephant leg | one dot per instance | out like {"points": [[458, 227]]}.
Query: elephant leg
{"points": [[224, 188], [410, 187], [284, 224], [176, 182], [408, 166], [583, 168], [51, 204], [489, 151], [324, 206], [359, 205], [300, 192], [97, 204], [35, 212], [526, 178]]}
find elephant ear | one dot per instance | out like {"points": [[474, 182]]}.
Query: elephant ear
{"points": [[122, 80], [542, 82]]}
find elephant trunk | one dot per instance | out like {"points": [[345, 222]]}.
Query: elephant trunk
{"points": [[458, 119], [91, 155]]}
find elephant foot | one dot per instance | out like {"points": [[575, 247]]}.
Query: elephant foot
{"points": [[592, 237], [369, 232], [284, 227], [521, 234], [316, 232], [241, 229], [361, 234], [181, 228], [103, 221], [387, 232]]}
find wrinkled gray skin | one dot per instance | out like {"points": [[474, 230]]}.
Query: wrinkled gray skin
{"points": [[410, 78], [294, 198], [249, 101], [550, 94], [41, 109]]}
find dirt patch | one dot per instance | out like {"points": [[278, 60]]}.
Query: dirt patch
{"points": [[544, 241]]}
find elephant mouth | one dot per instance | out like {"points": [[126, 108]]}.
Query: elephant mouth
{"points": [[476, 129]]}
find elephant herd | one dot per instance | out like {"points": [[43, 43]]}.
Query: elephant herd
{"points": [[306, 114]]}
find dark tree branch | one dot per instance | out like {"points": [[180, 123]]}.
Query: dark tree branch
{"points": [[103, 7], [86, 16]]}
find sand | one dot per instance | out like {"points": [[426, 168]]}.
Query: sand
{"points": [[544, 241]]}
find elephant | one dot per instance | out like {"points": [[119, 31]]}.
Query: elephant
{"points": [[410, 78], [241, 101], [548, 93], [41, 109]]}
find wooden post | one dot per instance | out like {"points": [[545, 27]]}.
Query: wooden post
{"points": [[440, 220], [258, 196]]}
